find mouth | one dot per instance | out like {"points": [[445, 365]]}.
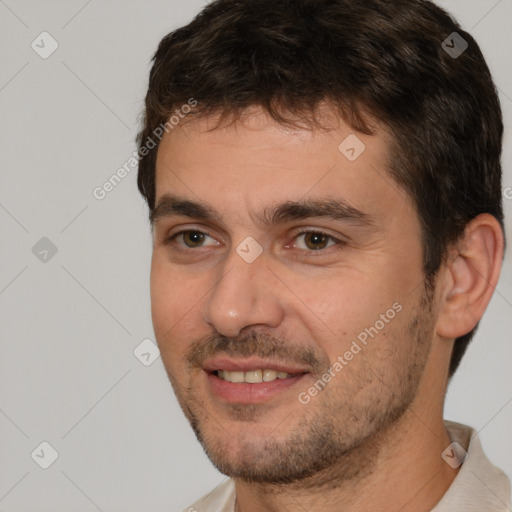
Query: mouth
{"points": [[252, 376], [250, 381]]}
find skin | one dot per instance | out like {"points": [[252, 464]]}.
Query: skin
{"points": [[372, 438]]}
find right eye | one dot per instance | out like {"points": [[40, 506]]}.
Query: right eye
{"points": [[190, 239]]}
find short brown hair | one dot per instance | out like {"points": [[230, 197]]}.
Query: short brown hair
{"points": [[384, 58]]}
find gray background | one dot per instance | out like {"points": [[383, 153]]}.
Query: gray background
{"points": [[71, 322]]}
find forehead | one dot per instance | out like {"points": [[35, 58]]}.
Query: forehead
{"points": [[259, 161]]}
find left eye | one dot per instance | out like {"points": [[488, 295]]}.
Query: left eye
{"points": [[314, 241]]}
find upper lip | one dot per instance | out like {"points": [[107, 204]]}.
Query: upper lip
{"points": [[249, 364]]}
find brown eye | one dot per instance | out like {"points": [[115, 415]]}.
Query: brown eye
{"points": [[316, 241], [193, 238]]}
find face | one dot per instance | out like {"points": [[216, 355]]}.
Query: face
{"points": [[287, 294]]}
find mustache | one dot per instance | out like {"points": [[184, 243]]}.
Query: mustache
{"points": [[262, 345]]}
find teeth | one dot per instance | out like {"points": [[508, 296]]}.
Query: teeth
{"points": [[269, 375], [253, 376], [234, 376]]}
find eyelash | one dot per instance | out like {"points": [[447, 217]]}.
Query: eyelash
{"points": [[338, 245]]}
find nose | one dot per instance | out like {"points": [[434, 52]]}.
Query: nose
{"points": [[245, 295]]}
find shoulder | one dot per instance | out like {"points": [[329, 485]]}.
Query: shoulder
{"points": [[220, 499], [479, 485]]}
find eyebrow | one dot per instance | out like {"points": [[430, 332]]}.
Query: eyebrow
{"points": [[336, 209], [170, 206]]}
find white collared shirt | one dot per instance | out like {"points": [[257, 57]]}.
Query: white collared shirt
{"points": [[478, 487]]}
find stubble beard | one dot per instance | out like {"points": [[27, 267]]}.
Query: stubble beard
{"points": [[333, 440]]}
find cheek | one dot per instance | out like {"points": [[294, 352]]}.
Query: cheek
{"points": [[173, 297], [346, 305], [162, 297], [361, 320], [177, 297]]}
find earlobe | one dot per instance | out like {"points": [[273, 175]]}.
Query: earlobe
{"points": [[471, 274]]}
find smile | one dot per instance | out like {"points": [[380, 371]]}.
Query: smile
{"points": [[253, 376]]}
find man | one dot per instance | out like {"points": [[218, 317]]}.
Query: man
{"points": [[324, 186]]}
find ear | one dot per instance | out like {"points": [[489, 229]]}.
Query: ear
{"points": [[470, 275]]}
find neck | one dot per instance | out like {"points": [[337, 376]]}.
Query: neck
{"points": [[399, 469]]}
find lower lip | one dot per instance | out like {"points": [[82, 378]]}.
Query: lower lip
{"points": [[246, 393]]}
